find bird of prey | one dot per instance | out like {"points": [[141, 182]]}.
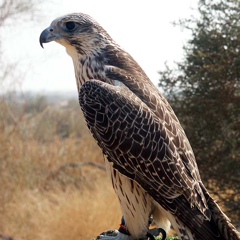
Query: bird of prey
{"points": [[147, 154]]}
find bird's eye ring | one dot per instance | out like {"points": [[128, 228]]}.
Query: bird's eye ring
{"points": [[70, 26]]}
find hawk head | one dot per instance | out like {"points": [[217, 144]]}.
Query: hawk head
{"points": [[77, 32], [94, 53]]}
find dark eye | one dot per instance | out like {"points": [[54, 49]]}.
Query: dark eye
{"points": [[70, 26]]}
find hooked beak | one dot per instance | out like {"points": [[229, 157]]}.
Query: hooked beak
{"points": [[47, 35]]}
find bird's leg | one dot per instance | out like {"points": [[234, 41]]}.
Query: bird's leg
{"points": [[123, 234], [114, 235], [154, 232]]}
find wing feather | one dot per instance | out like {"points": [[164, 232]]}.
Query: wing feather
{"points": [[139, 138], [140, 148]]}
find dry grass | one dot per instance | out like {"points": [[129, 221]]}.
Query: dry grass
{"points": [[38, 200], [61, 215]]}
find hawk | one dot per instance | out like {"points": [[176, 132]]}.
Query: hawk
{"points": [[147, 154]]}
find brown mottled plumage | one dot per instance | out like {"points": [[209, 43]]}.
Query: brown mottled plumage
{"points": [[149, 158]]}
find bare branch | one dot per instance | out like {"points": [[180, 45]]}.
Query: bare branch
{"points": [[11, 9]]}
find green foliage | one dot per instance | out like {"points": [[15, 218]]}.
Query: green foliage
{"points": [[169, 238], [205, 93]]}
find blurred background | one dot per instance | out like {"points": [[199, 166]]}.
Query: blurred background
{"points": [[52, 179]]}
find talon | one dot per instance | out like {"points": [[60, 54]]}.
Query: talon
{"points": [[163, 232], [155, 232], [150, 236], [114, 235], [108, 234]]}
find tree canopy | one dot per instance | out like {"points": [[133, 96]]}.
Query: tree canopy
{"points": [[204, 91]]}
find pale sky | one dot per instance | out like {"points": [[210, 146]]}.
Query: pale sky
{"points": [[143, 28]]}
